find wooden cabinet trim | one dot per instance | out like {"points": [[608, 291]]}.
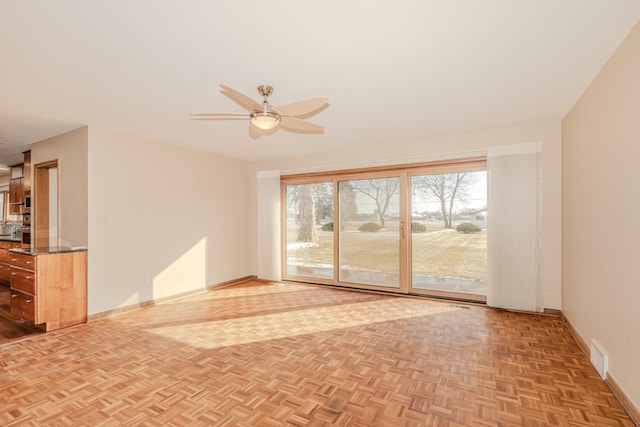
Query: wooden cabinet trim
{"points": [[49, 290]]}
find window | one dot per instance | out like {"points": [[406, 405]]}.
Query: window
{"points": [[309, 230], [448, 243], [420, 229], [369, 233]]}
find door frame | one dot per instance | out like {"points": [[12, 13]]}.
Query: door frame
{"points": [[41, 204]]}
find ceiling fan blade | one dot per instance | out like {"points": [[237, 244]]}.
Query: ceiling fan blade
{"points": [[240, 98], [219, 115], [302, 108], [219, 118], [295, 125]]}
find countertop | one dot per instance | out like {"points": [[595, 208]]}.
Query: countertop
{"points": [[47, 251]]}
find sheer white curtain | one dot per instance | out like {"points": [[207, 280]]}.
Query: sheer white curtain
{"points": [[268, 188], [514, 223]]}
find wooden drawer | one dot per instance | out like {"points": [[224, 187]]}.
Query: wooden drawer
{"points": [[23, 306], [4, 273], [23, 280], [5, 256], [23, 261], [6, 244]]}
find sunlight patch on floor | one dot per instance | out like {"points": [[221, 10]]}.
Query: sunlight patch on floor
{"points": [[246, 330], [266, 289]]}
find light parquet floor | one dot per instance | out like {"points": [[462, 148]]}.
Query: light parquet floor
{"points": [[260, 354]]}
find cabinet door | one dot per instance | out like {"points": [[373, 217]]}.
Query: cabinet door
{"points": [[23, 305], [22, 280], [13, 190], [28, 262], [16, 196], [4, 273]]}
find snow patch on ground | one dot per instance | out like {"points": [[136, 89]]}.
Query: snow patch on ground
{"points": [[301, 245], [444, 230]]}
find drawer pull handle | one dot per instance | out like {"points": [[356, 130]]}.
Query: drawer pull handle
{"points": [[28, 301], [13, 273], [28, 262], [13, 260], [27, 277], [14, 295]]}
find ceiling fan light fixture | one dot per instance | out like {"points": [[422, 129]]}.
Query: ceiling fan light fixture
{"points": [[265, 120]]}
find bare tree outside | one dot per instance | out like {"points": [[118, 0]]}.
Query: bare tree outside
{"points": [[348, 204], [306, 213], [323, 195], [446, 188], [380, 190]]}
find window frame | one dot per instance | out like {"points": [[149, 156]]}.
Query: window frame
{"points": [[404, 171]]}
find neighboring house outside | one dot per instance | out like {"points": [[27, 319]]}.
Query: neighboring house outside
{"points": [[479, 218]]}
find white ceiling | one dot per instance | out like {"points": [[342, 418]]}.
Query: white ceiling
{"points": [[393, 71]]}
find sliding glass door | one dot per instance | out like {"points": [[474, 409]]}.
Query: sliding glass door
{"points": [[416, 230], [308, 230], [449, 233], [369, 234]]}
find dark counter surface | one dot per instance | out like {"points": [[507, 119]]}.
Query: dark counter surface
{"points": [[49, 250]]}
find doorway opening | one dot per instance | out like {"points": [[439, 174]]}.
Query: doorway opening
{"points": [[45, 205]]}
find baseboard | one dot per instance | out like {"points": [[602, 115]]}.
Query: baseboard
{"points": [[584, 346], [137, 306], [624, 400], [233, 282], [628, 405], [114, 312]]}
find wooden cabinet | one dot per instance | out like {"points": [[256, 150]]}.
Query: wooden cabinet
{"points": [[26, 172], [23, 305], [17, 171], [49, 289], [5, 259], [16, 196], [19, 184]]}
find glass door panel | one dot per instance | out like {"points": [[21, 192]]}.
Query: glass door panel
{"points": [[309, 230], [449, 233], [369, 233]]}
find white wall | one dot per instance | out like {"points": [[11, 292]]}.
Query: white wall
{"points": [[601, 207], [455, 146], [164, 220], [268, 226], [71, 151]]}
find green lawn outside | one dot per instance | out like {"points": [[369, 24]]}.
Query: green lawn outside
{"points": [[441, 253]]}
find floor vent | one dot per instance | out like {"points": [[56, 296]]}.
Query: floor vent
{"points": [[599, 359], [460, 306]]}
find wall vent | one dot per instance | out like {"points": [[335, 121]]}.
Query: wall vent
{"points": [[599, 359]]}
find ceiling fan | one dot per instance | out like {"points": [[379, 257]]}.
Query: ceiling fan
{"points": [[265, 119]]}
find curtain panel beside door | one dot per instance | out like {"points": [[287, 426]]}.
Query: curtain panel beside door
{"points": [[514, 269]]}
